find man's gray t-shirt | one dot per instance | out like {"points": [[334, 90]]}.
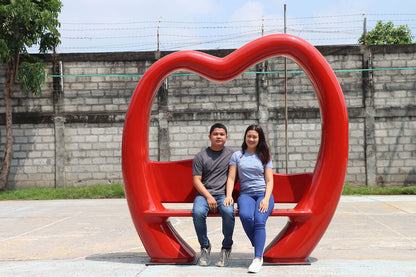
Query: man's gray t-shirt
{"points": [[213, 167]]}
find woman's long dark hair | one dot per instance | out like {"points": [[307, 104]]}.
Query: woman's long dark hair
{"points": [[262, 149]]}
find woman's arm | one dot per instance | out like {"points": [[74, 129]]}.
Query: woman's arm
{"points": [[232, 173], [268, 176]]}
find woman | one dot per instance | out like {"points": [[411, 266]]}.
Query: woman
{"points": [[255, 203]]}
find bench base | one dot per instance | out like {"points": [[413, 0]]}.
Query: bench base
{"points": [[280, 261], [267, 262], [170, 261], [292, 213]]}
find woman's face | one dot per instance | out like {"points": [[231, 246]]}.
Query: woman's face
{"points": [[252, 139]]}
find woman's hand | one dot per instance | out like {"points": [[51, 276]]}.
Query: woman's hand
{"points": [[264, 205], [228, 201]]}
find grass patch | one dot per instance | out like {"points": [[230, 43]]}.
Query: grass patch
{"points": [[85, 192], [117, 191], [349, 190]]}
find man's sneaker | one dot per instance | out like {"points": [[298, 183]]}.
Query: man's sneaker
{"points": [[224, 257], [204, 259], [255, 265]]}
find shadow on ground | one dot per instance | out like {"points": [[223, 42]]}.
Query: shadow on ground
{"points": [[236, 259], [121, 257]]}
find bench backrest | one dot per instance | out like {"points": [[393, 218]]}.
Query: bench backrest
{"points": [[176, 185]]}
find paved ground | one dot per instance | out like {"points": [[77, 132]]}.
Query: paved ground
{"points": [[368, 236]]}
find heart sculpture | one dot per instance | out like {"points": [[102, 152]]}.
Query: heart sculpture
{"points": [[301, 234]]}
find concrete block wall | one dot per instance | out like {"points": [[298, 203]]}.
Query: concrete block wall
{"points": [[71, 134], [29, 103], [93, 154], [395, 123], [396, 151], [100, 91], [188, 91], [394, 88], [33, 163]]}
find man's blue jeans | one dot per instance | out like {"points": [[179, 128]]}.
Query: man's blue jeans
{"points": [[254, 221], [199, 214]]}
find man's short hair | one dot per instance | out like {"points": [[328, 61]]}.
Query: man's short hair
{"points": [[217, 125]]}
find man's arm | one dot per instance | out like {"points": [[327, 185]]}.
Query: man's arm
{"points": [[199, 186]]}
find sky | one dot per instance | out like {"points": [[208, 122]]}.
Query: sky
{"points": [[134, 25]]}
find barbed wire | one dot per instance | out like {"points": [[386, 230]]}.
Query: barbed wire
{"points": [[170, 35]]}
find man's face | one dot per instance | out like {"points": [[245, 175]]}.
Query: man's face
{"points": [[218, 137]]}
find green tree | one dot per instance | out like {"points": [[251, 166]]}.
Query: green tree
{"points": [[24, 24], [386, 33]]}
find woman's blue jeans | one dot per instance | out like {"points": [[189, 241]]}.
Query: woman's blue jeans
{"points": [[254, 221], [200, 211]]}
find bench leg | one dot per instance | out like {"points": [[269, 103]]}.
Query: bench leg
{"points": [[296, 241], [163, 244], [286, 247]]}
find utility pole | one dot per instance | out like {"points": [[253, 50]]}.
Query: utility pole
{"points": [[286, 141], [158, 41], [364, 30]]}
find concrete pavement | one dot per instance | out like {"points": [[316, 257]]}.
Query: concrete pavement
{"points": [[368, 236]]}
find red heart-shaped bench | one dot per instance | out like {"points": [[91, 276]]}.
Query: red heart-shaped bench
{"points": [[148, 184]]}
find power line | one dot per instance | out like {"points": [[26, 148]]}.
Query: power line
{"points": [[180, 34]]}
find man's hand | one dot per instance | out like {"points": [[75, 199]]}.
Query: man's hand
{"points": [[199, 186], [212, 203]]}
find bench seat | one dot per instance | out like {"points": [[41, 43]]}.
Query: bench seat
{"points": [[175, 179], [188, 213]]}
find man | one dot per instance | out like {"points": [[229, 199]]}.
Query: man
{"points": [[210, 172]]}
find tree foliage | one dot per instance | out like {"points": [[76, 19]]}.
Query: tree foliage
{"points": [[32, 75], [24, 24], [386, 33], [28, 22]]}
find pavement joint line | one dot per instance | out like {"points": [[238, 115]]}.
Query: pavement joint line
{"points": [[37, 229], [385, 225], [395, 206]]}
